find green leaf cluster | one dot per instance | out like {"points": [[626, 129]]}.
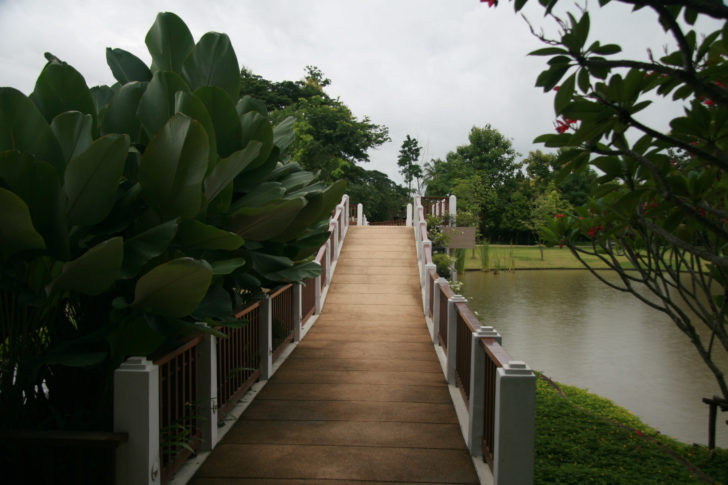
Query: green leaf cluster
{"points": [[128, 212]]}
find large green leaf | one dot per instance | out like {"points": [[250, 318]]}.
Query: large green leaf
{"points": [[227, 169], [61, 88], [194, 234], [260, 195], [102, 96], [36, 183], [157, 104], [283, 134], [313, 212], [226, 266], [169, 42], [173, 166], [94, 271], [193, 107], [254, 177], [228, 132], [121, 115], [266, 222], [143, 247], [257, 127], [173, 289], [23, 128], [126, 67], [296, 273], [73, 132], [16, 226], [297, 180], [133, 337], [212, 62], [92, 179]]}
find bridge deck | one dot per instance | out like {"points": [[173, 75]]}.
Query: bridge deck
{"points": [[362, 399]]}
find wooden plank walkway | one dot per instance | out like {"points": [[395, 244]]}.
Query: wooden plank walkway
{"points": [[363, 398]]}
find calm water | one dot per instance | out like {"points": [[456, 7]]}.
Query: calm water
{"points": [[580, 332]]}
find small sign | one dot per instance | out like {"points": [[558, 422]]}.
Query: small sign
{"points": [[460, 237]]}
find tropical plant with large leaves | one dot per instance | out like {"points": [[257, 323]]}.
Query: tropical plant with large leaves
{"points": [[129, 212]]}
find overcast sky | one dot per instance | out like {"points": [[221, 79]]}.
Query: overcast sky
{"points": [[428, 68]]}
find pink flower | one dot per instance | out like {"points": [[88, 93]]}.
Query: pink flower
{"points": [[491, 3], [559, 216]]}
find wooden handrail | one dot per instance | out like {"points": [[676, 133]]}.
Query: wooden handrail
{"points": [[179, 350], [247, 309], [280, 290], [468, 316], [495, 352]]}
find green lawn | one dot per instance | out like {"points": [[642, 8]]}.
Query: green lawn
{"points": [[505, 257], [582, 438]]}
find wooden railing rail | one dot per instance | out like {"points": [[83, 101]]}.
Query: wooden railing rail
{"points": [[498, 392], [178, 406], [282, 313]]}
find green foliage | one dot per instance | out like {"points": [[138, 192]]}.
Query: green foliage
{"points": [[484, 254], [660, 199], [443, 263], [127, 213], [408, 161], [460, 255], [482, 174], [583, 438]]}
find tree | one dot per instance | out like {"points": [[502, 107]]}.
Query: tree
{"points": [[667, 216], [409, 155], [489, 161], [547, 207]]}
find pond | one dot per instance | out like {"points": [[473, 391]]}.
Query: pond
{"points": [[575, 329]]}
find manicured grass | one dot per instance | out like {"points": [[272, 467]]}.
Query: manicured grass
{"points": [[582, 438], [506, 257]]}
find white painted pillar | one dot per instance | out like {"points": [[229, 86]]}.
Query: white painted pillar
{"points": [[317, 296], [452, 321], [347, 216], [136, 411], [297, 311], [334, 228], [329, 259], [426, 246], [207, 390], [476, 403], [428, 287], [436, 311], [266, 338], [409, 215], [515, 424], [359, 215], [453, 209]]}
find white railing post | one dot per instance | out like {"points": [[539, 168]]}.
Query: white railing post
{"points": [[428, 287], [476, 403], [317, 296], [266, 338], [329, 259], [347, 217], [436, 310], [359, 215], [136, 412], [426, 246], [452, 322], [515, 421], [207, 385], [297, 311], [453, 209], [334, 229], [408, 222]]}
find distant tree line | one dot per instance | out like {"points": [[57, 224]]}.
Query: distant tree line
{"points": [[508, 199]]}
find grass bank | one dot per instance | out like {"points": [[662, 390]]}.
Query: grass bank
{"points": [[582, 438], [506, 257]]}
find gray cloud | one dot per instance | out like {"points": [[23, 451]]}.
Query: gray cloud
{"points": [[428, 68]]}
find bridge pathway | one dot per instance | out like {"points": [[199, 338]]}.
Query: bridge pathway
{"points": [[362, 399]]}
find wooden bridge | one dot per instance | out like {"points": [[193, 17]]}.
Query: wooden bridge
{"points": [[365, 397]]}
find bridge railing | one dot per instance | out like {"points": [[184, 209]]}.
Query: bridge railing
{"points": [[174, 405], [498, 392]]}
